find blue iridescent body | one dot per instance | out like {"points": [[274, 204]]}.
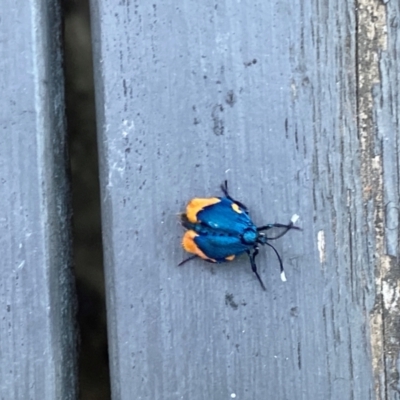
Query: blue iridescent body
{"points": [[223, 232]]}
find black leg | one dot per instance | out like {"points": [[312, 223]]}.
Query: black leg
{"points": [[224, 188], [254, 266], [185, 261]]}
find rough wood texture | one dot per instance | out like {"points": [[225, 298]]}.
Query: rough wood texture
{"points": [[37, 335], [379, 61], [276, 97]]}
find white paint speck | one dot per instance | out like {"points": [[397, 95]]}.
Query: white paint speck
{"points": [[283, 276], [21, 265], [294, 218], [233, 395], [294, 90], [321, 246], [390, 296], [127, 127]]}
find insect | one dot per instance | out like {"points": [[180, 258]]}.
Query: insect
{"points": [[220, 228]]}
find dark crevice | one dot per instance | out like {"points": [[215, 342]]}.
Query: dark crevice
{"points": [[94, 381]]}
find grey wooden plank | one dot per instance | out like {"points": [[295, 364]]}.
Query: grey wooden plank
{"points": [[272, 96], [37, 335]]}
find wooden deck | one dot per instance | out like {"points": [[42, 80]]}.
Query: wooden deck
{"points": [[296, 104]]}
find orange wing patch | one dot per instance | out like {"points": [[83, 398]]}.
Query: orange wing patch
{"points": [[196, 205], [236, 208], [190, 246]]}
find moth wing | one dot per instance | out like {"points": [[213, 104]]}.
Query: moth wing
{"points": [[226, 217], [220, 248]]}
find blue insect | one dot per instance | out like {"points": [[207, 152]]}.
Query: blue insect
{"points": [[220, 228]]}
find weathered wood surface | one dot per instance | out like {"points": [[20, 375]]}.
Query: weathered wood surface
{"points": [[296, 104], [37, 335], [379, 111]]}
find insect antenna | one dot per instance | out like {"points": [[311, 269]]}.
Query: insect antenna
{"points": [[287, 228], [276, 225], [283, 276]]}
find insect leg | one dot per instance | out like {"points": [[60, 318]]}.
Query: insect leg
{"points": [[254, 266], [224, 188], [185, 261]]}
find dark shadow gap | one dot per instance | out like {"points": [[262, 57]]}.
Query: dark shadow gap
{"points": [[94, 381]]}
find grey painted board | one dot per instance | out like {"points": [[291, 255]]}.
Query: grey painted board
{"points": [[37, 335], [276, 97]]}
